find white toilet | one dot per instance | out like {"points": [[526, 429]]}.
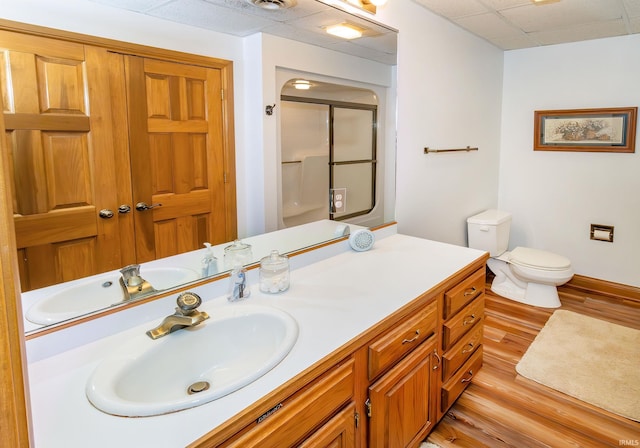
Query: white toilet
{"points": [[525, 275]]}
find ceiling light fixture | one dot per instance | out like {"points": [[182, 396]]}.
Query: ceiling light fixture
{"points": [[301, 84], [345, 31]]}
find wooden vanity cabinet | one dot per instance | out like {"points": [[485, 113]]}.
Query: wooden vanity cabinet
{"points": [[401, 408], [462, 329], [388, 388]]}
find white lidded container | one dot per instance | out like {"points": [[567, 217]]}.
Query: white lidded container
{"points": [[274, 273], [489, 231]]}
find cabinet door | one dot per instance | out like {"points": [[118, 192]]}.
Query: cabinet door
{"points": [[339, 432], [59, 116], [403, 401], [177, 156]]}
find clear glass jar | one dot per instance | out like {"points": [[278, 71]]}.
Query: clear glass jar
{"points": [[274, 273], [237, 254]]}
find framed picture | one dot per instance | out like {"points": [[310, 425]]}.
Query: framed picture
{"points": [[596, 130]]}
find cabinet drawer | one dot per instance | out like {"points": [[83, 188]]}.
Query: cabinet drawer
{"points": [[461, 351], [456, 385], [392, 346], [290, 421], [463, 293], [462, 322]]}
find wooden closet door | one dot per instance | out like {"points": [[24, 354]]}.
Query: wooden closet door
{"points": [[59, 117], [177, 156]]}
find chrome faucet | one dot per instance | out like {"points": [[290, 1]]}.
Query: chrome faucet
{"points": [[186, 315], [134, 286]]}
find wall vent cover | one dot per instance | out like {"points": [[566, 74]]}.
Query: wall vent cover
{"points": [[273, 4]]}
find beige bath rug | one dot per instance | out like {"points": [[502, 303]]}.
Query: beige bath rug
{"points": [[590, 359]]}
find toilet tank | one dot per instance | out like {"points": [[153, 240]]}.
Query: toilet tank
{"points": [[489, 231]]}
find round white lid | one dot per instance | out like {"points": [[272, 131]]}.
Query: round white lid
{"points": [[539, 259]]}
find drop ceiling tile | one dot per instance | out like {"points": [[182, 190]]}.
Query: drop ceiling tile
{"points": [[132, 5], [514, 41], [453, 8], [563, 14], [488, 25], [206, 15], [505, 4], [581, 32]]}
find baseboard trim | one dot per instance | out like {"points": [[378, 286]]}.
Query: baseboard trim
{"points": [[614, 290]]}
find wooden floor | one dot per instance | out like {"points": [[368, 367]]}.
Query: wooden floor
{"points": [[502, 409]]}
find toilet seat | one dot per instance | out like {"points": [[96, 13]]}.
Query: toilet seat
{"points": [[538, 259]]}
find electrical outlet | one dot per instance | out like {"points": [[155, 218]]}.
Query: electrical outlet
{"points": [[338, 200]]}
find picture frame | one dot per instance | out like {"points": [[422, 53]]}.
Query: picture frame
{"points": [[590, 130]]}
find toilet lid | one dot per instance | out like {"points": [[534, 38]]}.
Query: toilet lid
{"points": [[538, 259]]}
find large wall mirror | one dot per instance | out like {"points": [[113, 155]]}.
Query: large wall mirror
{"points": [[329, 151], [305, 22]]}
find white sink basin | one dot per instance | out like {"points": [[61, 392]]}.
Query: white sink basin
{"points": [[98, 293], [235, 346]]}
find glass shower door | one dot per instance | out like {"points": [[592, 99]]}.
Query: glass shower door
{"points": [[353, 162]]}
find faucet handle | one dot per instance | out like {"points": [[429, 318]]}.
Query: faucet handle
{"points": [[188, 301], [131, 270], [131, 275]]}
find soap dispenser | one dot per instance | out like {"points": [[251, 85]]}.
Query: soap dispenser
{"points": [[209, 262]]}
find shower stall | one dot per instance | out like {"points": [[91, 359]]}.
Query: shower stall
{"points": [[328, 154]]}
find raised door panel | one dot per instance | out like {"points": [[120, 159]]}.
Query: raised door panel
{"points": [[401, 406], [58, 116], [178, 158], [339, 432]]}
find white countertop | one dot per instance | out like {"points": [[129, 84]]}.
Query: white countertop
{"points": [[333, 301]]}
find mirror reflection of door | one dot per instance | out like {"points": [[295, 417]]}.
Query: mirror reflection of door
{"points": [[328, 152], [67, 123], [177, 156], [61, 146]]}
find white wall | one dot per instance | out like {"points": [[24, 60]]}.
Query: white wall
{"points": [[449, 96], [555, 196]]}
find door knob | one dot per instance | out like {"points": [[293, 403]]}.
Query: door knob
{"points": [[124, 208], [105, 213], [142, 206]]}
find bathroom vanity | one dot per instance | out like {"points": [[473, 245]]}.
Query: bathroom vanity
{"points": [[388, 339]]}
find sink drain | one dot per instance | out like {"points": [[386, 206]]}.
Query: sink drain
{"points": [[198, 387]]}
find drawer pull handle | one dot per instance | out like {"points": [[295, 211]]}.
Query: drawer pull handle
{"points": [[438, 359], [470, 292], [466, 380], [468, 348], [469, 320], [413, 339]]}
